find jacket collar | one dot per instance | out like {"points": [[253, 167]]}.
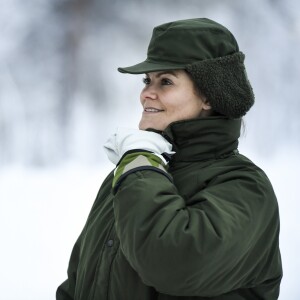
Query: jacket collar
{"points": [[203, 138]]}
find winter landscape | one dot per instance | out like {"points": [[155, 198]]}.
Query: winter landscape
{"points": [[61, 97]]}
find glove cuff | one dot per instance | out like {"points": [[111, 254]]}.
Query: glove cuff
{"points": [[137, 161]]}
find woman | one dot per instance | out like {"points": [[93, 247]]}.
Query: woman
{"points": [[183, 215]]}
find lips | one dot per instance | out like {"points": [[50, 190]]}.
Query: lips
{"points": [[152, 109]]}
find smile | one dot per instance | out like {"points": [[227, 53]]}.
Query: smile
{"points": [[152, 110]]}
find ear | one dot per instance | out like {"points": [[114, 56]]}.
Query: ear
{"points": [[206, 106]]}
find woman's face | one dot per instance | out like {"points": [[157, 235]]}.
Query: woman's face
{"points": [[169, 96]]}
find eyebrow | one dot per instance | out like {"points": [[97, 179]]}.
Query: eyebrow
{"points": [[164, 73]]}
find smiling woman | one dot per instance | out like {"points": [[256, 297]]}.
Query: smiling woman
{"points": [[183, 215], [170, 96]]}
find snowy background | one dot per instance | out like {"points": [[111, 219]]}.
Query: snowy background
{"points": [[61, 96]]}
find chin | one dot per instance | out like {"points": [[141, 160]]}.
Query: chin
{"points": [[148, 125]]}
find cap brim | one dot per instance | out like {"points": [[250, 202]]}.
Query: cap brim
{"points": [[146, 67]]}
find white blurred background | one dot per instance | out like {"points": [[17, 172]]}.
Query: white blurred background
{"points": [[61, 96]]}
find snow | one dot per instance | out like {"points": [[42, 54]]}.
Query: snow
{"points": [[42, 212]]}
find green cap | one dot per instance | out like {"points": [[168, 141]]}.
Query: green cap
{"points": [[210, 54], [177, 44]]}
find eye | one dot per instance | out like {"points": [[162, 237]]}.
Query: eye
{"points": [[146, 80], [166, 81]]}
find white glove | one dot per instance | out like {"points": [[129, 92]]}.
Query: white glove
{"points": [[126, 139]]}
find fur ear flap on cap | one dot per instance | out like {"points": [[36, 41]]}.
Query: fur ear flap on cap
{"points": [[224, 82]]}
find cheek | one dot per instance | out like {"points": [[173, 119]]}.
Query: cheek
{"points": [[141, 98], [189, 109]]}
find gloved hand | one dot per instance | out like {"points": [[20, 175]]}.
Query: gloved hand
{"points": [[126, 139]]}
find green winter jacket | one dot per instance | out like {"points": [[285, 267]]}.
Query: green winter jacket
{"points": [[209, 233]]}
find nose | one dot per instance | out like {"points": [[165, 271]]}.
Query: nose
{"points": [[149, 93]]}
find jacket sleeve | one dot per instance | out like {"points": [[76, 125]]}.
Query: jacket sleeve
{"points": [[221, 241]]}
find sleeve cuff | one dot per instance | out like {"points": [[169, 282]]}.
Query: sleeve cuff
{"points": [[137, 161]]}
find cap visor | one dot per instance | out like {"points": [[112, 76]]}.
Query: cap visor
{"points": [[146, 67]]}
